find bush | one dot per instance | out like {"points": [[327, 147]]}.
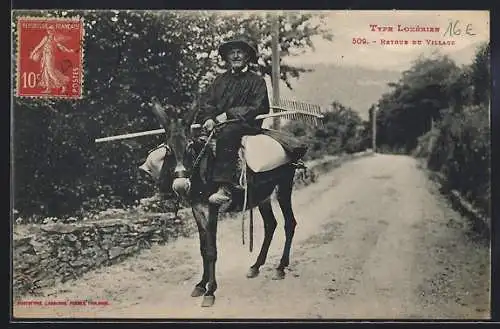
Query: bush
{"points": [[343, 131], [462, 153], [426, 144]]}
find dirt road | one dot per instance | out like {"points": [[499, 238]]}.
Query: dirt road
{"points": [[374, 240]]}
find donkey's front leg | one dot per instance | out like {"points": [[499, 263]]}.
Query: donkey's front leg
{"points": [[202, 223], [211, 255]]}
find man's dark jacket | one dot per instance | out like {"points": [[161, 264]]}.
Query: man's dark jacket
{"points": [[243, 96]]}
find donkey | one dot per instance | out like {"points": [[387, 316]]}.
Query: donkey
{"points": [[189, 174]]}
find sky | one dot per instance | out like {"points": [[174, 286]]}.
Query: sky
{"points": [[346, 25]]}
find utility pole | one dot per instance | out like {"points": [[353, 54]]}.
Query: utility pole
{"points": [[276, 66], [374, 129]]}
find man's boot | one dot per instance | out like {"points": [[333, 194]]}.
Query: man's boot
{"points": [[222, 196]]}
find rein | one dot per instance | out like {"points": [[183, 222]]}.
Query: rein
{"points": [[200, 155]]}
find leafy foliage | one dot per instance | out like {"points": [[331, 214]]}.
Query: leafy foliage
{"points": [[440, 112], [343, 131], [130, 57], [416, 101]]}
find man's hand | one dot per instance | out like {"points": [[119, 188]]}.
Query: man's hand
{"points": [[209, 125], [221, 117]]}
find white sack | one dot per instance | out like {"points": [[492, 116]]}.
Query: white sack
{"points": [[263, 153], [154, 162]]}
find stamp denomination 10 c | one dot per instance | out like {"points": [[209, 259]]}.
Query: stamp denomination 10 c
{"points": [[49, 57]]}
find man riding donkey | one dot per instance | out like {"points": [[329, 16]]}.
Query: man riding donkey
{"points": [[238, 95], [230, 106]]}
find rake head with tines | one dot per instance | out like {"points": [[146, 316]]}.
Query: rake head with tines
{"points": [[295, 110]]}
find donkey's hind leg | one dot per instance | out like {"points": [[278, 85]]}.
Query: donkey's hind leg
{"points": [[285, 202], [266, 211]]}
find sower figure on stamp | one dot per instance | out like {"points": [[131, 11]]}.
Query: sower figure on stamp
{"points": [[50, 75], [239, 94]]}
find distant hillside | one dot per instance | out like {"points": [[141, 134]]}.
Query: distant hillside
{"points": [[356, 87]]}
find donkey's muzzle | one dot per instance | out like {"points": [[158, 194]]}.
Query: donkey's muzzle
{"points": [[181, 186]]}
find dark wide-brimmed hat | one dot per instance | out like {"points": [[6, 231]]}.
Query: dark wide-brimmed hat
{"points": [[240, 42]]}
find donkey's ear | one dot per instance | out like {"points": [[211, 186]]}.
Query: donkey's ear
{"points": [[161, 114]]}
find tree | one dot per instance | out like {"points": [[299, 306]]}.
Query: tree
{"points": [[460, 144], [480, 75], [456, 99], [415, 102], [130, 57]]}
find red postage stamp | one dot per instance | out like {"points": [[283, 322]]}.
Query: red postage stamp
{"points": [[49, 57]]}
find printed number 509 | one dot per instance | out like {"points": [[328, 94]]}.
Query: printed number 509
{"points": [[359, 41], [29, 79]]}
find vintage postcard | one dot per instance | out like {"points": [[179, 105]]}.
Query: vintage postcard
{"points": [[251, 165]]}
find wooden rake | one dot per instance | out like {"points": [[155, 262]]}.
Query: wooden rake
{"points": [[300, 111], [287, 109]]}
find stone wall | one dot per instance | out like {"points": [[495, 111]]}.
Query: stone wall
{"points": [[481, 222], [60, 252], [57, 252]]}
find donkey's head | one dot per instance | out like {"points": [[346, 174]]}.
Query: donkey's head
{"points": [[181, 147]]}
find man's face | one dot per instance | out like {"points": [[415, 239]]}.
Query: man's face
{"points": [[237, 58]]}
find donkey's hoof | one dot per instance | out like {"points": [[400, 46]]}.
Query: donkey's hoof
{"points": [[198, 291], [279, 274], [252, 272], [208, 301]]}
